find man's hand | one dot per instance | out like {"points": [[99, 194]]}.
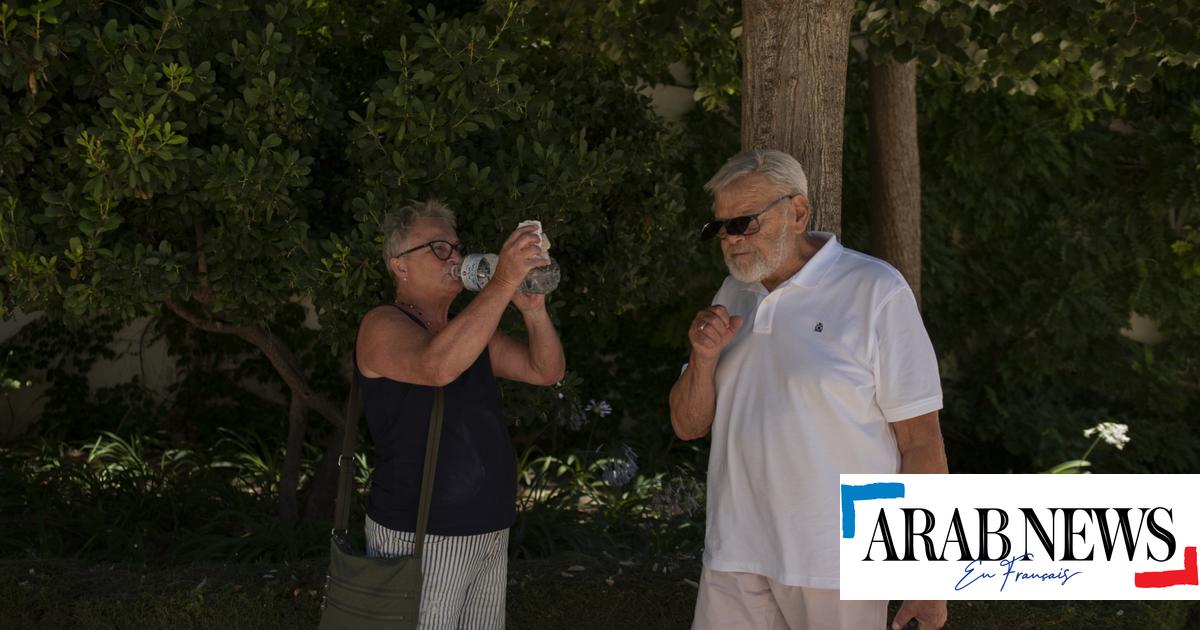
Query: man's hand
{"points": [[929, 614], [711, 331]]}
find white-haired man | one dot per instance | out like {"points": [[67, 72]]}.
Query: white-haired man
{"points": [[812, 361]]}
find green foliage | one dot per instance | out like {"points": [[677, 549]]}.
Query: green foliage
{"points": [[76, 595], [502, 141], [6, 381], [139, 499], [701, 36], [1072, 48], [1041, 238], [226, 159], [596, 502], [154, 139]]}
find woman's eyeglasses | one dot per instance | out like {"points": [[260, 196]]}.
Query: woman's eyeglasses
{"points": [[442, 249], [744, 225]]}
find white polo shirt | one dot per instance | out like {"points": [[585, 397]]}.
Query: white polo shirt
{"points": [[805, 392]]}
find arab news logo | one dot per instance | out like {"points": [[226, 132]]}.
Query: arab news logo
{"points": [[854, 494]]}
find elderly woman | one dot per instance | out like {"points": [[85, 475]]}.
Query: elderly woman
{"points": [[407, 348]]}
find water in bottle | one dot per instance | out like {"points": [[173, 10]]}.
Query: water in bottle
{"points": [[477, 269]]}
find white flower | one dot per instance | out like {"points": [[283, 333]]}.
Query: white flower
{"points": [[1111, 432]]}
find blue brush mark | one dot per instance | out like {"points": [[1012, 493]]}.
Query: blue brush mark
{"points": [[850, 494]]}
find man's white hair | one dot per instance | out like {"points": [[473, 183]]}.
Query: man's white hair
{"points": [[396, 225], [777, 166]]}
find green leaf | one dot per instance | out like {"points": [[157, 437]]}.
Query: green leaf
{"points": [[1071, 467]]}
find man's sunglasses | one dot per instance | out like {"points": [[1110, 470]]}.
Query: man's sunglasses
{"points": [[744, 225], [442, 249]]}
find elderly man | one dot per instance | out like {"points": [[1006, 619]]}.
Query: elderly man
{"points": [[812, 361]]}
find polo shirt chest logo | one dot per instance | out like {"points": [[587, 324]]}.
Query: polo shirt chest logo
{"points": [[819, 327]]}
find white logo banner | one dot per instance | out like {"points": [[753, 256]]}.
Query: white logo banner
{"points": [[1020, 536]]}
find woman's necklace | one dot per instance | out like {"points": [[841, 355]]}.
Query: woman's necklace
{"points": [[414, 310]]}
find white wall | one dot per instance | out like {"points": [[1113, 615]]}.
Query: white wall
{"points": [[672, 101], [135, 356]]}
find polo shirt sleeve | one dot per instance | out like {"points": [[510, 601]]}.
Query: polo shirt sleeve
{"points": [[907, 383]]}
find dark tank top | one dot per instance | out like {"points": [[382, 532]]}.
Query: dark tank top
{"points": [[475, 485]]}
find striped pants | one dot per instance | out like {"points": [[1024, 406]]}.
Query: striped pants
{"points": [[464, 578]]}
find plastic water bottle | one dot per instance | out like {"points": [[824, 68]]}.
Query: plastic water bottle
{"points": [[477, 269]]}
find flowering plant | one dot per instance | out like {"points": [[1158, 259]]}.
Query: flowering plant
{"points": [[1111, 433]]}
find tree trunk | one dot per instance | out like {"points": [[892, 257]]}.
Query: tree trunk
{"points": [[319, 506], [896, 169], [794, 91], [323, 490], [289, 482]]}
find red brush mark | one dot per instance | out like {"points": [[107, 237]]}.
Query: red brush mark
{"points": [[1163, 579]]}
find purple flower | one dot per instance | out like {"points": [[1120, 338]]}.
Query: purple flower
{"points": [[577, 418], [619, 471], [601, 408], [681, 494]]}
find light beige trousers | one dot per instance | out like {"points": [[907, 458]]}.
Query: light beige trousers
{"points": [[745, 601]]}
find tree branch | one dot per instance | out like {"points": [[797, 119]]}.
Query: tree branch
{"points": [[281, 357], [204, 294], [209, 325]]}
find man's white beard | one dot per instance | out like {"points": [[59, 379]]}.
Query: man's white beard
{"points": [[759, 265]]}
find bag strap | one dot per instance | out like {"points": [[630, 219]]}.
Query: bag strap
{"points": [[431, 452], [341, 509], [341, 514]]}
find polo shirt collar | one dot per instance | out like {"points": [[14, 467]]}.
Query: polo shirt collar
{"points": [[813, 271]]}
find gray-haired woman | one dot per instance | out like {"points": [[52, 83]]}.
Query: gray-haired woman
{"points": [[407, 348]]}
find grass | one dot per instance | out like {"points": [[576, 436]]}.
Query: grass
{"points": [[74, 594], [569, 591]]}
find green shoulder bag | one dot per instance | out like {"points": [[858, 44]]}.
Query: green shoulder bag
{"points": [[364, 593]]}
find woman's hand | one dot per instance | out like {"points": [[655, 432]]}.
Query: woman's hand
{"points": [[519, 254], [529, 303]]}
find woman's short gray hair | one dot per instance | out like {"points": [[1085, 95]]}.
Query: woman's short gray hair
{"points": [[777, 166], [396, 225]]}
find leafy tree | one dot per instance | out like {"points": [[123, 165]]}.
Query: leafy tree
{"points": [[1075, 47], [1081, 48], [219, 161]]}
